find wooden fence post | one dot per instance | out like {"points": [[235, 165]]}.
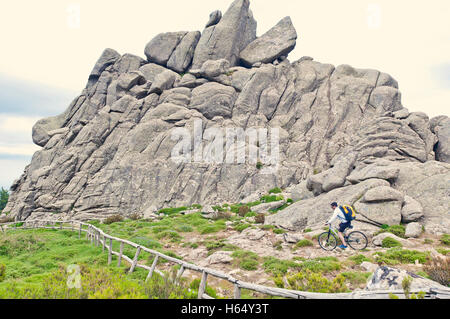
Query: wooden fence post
{"points": [[179, 274], [110, 251], [97, 238], [135, 259], [120, 254], [237, 291], [202, 287], [152, 269]]}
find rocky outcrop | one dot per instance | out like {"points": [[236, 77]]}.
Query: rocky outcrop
{"points": [[143, 135], [226, 39]]}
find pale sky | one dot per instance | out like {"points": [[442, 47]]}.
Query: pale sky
{"points": [[49, 48]]}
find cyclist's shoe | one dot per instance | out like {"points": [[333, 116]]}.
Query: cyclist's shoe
{"points": [[342, 246]]}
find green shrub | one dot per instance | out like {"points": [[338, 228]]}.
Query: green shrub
{"points": [[172, 211], [212, 228], [304, 243], [251, 214], [113, 219], [275, 190], [308, 280], [445, 239], [260, 218], [398, 255], [439, 270], [397, 230], [359, 259], [271, 198], [358, 279], [277, 245], [278, 267], [2, 272], [135, 216], [321, 264], [243, 210], [240, 226], [96, 283], [389, 242], [443, 251], [246, 260]]}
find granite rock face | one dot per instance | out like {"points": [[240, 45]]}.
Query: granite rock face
{"points": [[143, 135]]}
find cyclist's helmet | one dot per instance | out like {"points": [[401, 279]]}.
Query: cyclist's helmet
{"points": [[334, 204]]}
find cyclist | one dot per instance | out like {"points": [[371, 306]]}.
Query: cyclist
{"points": [[342, 226]]}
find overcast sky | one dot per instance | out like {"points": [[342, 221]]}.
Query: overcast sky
{"points": [[49, 48]]}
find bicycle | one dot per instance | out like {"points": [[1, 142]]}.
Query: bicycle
{"points": [[329, 240]]}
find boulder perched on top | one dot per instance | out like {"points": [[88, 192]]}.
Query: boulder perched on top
{"points": [[161, 47], [277, 42], [227, 38]]}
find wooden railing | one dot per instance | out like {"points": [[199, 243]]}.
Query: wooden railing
{"points": [[97, 237]]}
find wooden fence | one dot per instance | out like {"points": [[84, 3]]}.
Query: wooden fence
{"points": [[97, 237]]}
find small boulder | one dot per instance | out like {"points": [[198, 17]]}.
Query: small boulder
{"points": [[413, 230], [214, 18], [412, 210], [163, 81]]}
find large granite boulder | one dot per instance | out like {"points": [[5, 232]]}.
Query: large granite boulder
{"points": [[277, 42], [388, 278], [226, 39]]}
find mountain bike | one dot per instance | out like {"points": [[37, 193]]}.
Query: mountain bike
{"points": [[329, 240]]}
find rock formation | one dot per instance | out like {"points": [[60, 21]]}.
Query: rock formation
{"points": [[343, 134]]}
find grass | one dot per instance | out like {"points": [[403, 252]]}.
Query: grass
{"points": [[357, 279], [397, 255], [275, 190], [278, 267], [389, 242], [271, 198], [303, 243], [397, 230], [445, 239], [359, 259], [246, 260]]}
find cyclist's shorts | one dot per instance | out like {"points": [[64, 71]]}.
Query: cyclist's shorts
{"points": [[344, 226]]}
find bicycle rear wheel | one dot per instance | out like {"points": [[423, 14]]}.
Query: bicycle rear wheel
{"points": [[357, 240], [327, 241]]}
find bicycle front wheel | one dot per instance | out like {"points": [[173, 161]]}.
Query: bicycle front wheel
{"points": [[357, 240], [327, 241]]}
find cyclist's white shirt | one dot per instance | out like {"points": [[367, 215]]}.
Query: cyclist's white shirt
{"points": [[337, 214]]}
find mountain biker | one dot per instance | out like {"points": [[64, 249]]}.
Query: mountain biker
{"points": [[342, 226]]}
